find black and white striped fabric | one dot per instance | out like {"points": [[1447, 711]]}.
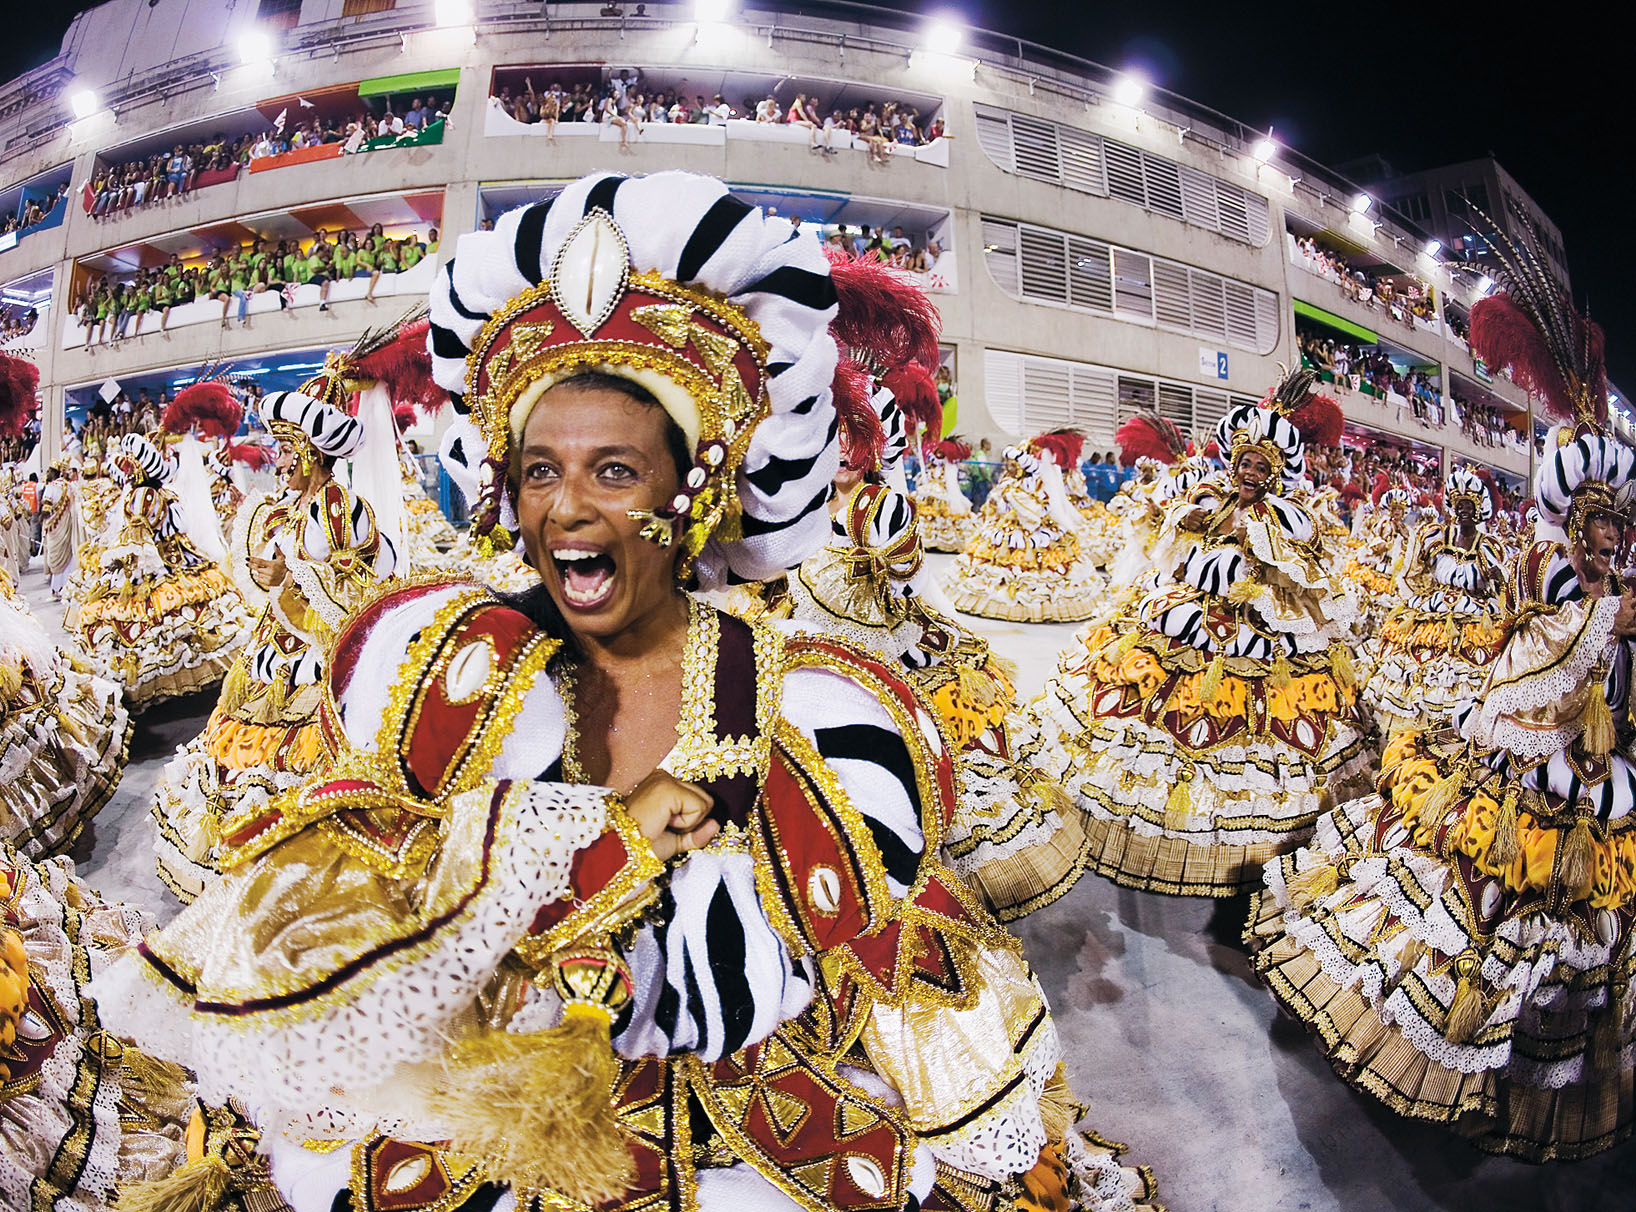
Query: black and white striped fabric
{"points": [[150, 464], [692, 230], [897, 430], [711, 974], [331, 431], [1263, 423], [1463, 482], [1586, 459]]}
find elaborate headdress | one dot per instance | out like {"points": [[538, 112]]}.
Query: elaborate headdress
{"points": [[311, 424], [208, 406], [19, 387], [1267, 429], [138, 459], [952, 449], [1464, 484], [1552, 351], [1064, 446], [1147, 435], [672, 282]]}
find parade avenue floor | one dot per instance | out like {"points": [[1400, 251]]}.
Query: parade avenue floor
{"points": [[1167, 1036]]}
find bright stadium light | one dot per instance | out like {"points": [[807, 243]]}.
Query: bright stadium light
{"points": [[1361, 204], [84, 102], [1433, 247], [1129, 89], [944, 36], [1485, 284], [255, 47], [1264, 150], [449, 13], [708, 12]]}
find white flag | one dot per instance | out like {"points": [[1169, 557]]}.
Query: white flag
{"points": [[278, 122]]}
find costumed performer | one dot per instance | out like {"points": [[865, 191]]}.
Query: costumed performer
{"points": [[487, 961], [161, 616], [1461, 941], [1434, 651], [304, 558], [1204, 727], [1377, 560], [945, 511], [1025, 560]]}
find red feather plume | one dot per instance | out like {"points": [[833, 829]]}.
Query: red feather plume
{"points": [[19, 393], [1352, 491], [1380, 488], [952, 449], [1212, 449], [1147, 435], [884, 320], [863, 438], [403, 415], [1064, 445], [915, 391], [251, 454], [1320, 421], [208, 406], [404, 367], [1507, 338]]}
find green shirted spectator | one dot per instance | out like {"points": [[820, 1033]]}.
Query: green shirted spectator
{"points": [[409, 254], [345, 261]]}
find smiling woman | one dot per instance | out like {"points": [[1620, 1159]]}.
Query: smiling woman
{"points": [[600, 867]]}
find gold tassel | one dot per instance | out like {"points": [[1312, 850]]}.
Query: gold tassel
{"points": [[538, 1109], [1059, 1109], [1214, 672], [1468, 1012], [1451, 633], [1313, 885], [1506, 845], [1444, 794], [1340, 661], [1179, 804], [235, 685], [154, 1075], [1240, 592], [1599, 736], [1577, 868], [198, 1186], [1281, 673], [1607, 1040]]}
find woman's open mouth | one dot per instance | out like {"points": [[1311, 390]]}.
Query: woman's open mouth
{"points": [[586, 574]]}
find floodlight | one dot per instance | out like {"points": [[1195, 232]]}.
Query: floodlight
{"points": [[453, 12], [255, 47], [1433, 247], [708, 12], [943, 36], [1484, 284], [1264, 150], [1129, 89], [1361, 204], [84, 102]]}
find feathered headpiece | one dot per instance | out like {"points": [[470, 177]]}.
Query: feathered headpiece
{"points": [[19, 393], [1532, 328], [885, 321], [952, 449], [915, 391], [403, 365], [1063, 445], [1147, 435], [1319, 419], [863, 436], [208, 406], [1464, 484], [251, 454]]}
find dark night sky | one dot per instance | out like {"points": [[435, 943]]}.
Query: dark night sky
{"points": [[1420, 84]]}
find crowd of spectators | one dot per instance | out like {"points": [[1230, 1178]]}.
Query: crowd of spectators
{"points": [[875, 244], [1381, 292], [623, 102], [17, 322], [32, 213], [1484, 424], [173, 173], [107, 308], [1353, 367]]}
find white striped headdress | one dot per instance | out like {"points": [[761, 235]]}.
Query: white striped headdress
{"points": [[1251, 427], [139, 459], [1581, 472], [331, 431], [1465, 484], [670, 281]]}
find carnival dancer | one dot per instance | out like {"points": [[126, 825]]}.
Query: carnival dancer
{"points": [[13, 523], [1461, 941], [1025, 560], [159, 615], [304, 558], [1377, 561], [1435, 650], [81, 1115], [499, 970], [57, 526], [63, 735], [1150, 444], [945, 511], [1204, 727]]}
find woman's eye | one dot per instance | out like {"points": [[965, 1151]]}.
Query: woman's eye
{"points": [[617, 473], [539, 473]]}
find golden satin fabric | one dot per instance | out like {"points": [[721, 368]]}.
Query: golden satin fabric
{"points": [[933, 1053], [1539, 645]]}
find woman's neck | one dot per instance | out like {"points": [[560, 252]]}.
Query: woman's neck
{"points": [[655, 637]]}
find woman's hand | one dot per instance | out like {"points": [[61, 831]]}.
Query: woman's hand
{"points": [[268, 573], [671, 814], [1195, 519]]}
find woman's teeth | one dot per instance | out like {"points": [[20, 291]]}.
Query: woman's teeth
{"points": [[586, 577]]}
